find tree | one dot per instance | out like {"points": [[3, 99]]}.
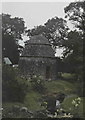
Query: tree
{"points": [[14, 88], [54, 30], [13, 26], [75, 12], [74, 44], [12, 30], [10, 48], [73, 53]]}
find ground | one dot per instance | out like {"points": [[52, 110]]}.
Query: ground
{"points": [[34, 99]]}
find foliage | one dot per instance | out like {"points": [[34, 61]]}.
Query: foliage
{"points": [[14, 110], [13, 26], [10, 48], [68, 77], [72, 78], [74, 105], [13, 88], [38, 83], [71, 107], [12, 30], [54, 30], [33, 101], [73, 54], [40, 114], [60, 86], [74, 44], [75, 12]]}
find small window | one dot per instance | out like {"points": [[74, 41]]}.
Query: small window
{"points": [[47, 72]]}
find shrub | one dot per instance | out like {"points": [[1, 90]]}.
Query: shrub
{"points": [[38, 83], [74, 105], [13, 87], [33, 100], [15, 110]]}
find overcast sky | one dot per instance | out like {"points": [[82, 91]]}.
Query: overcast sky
{"points": [[35, 13]]}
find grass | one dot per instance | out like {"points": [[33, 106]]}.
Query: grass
{"points": [[69, 107], [32, 101], [33, 98], [9, 105], [68, 76], [60, 86], [11, 109]]}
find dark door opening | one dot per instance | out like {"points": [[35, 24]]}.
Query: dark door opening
{"points": [[47, 72]]}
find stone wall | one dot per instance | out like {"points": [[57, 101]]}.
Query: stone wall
{"points": [[43, 66], [38, 58]]}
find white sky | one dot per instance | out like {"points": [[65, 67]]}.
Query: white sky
{"points": [[35, 13]]}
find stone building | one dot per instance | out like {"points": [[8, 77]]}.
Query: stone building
{"points": [[38, 59]]}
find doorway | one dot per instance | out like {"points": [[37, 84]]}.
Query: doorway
{"points": [[47, 72]]}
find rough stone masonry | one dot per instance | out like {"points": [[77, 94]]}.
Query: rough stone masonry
{"points": [[38, 58]]}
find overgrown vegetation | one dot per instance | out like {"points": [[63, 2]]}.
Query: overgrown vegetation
{"points": [[26, 98], [13, 86], [38, 83], [34, 96]]}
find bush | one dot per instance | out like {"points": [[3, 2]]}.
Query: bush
{"points": [[13, 87], [60, 86], [38, 83], [74, 105], [33, 101], [68, 76], [15, 110]]}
